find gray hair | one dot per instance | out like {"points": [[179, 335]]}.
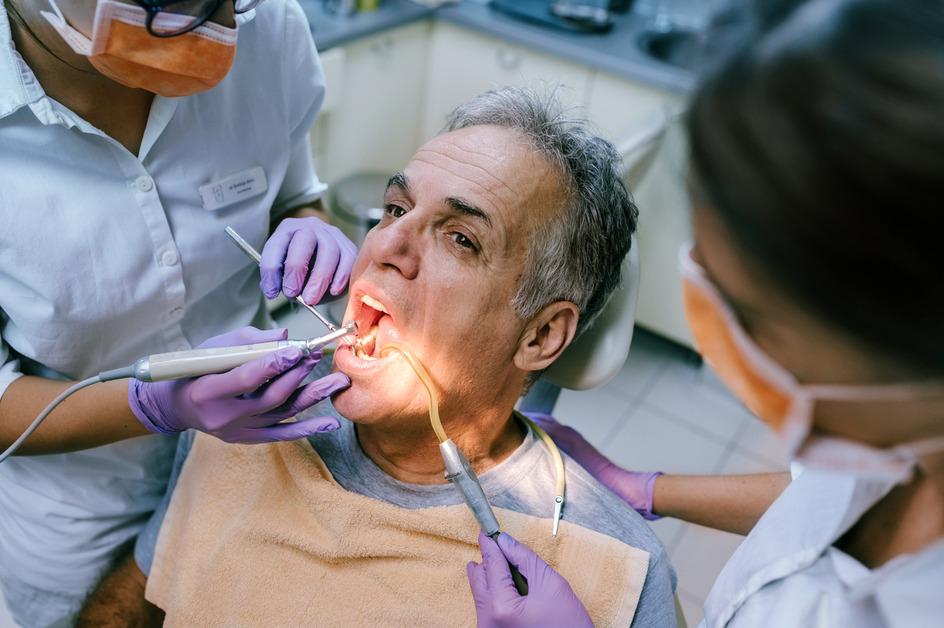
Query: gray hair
{"points": [[577, 255]]}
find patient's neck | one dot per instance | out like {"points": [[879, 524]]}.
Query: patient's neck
{"points": [[412, 454]]}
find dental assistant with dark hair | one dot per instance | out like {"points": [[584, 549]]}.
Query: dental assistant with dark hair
{"points": [[131, 134], [814, 289]]}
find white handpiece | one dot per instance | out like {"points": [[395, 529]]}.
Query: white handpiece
{"points": [[197, 362]]}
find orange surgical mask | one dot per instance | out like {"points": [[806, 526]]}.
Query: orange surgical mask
{"points": [[122, 49], [780, 400]]}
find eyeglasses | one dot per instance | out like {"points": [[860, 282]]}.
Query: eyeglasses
{"points": [[169, 18]]}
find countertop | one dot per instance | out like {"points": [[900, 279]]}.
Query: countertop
{"points": [[616, 51], [330, 31]]}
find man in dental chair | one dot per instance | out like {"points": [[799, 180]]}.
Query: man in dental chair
{"points": [[500, 242]]}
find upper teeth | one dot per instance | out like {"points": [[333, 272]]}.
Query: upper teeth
{"points": [[374, 303]]}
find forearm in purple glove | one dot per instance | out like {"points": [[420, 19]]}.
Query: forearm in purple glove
{"points": [[633, 487], [305, 256], [550, 601], [244, 405]]}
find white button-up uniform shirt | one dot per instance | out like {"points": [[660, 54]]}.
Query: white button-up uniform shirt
{"points": [[787, 573], [106, 256]]}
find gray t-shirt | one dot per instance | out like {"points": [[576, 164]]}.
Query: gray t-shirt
{"points": [[523, 482]]}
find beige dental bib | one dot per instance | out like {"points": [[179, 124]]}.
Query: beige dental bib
{"points": [[262, 535]]}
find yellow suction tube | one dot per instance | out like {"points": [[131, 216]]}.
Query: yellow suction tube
{"points": [[427, 381], [433, 392]]}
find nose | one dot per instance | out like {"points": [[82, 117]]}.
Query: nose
{"points": [[396, 245]]}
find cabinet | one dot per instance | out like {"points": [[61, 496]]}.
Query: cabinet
{"points": [[379, 82], [463, 64]]}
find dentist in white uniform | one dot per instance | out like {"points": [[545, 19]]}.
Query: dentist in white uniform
{"points": [[815, 289], [129, 137]]}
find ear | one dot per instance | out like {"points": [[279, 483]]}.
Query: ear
{"points": [[546, 336]]}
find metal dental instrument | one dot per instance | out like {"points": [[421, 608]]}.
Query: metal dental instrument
{"points": [[254, 255]]}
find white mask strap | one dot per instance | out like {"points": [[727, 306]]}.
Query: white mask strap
{"points": [[57, 11], [875, 392], [923, 448], [79, 43]]}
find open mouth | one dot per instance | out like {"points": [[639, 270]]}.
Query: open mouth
{"points": [[369, 314]]}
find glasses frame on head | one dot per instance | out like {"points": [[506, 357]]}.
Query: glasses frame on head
{"points": [[155, 7]]}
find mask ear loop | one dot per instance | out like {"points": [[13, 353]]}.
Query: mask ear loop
{"points": [[80, 44], [58, 12]]}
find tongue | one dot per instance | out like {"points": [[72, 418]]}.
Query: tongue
{"points": [[376, 330]]}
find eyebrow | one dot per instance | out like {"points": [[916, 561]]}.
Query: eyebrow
{"points": [[467, 209], [399, 181], [458, 205]]}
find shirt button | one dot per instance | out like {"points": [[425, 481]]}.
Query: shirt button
{"points": [[169, 258], [145, 184], [176, 312]]}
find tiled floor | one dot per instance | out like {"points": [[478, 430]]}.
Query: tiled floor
{"points": [[666, 411], [663, 411]]}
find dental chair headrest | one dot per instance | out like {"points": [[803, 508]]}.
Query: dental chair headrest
{"points": [[598, 354]]}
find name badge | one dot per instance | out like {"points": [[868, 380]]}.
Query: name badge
{"points": [[233, 189]]}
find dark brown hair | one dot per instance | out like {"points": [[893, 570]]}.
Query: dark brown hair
{"points": [[820, 144]]}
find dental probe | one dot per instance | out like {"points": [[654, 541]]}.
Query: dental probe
{"points": [[254, 255], [180, 364]]}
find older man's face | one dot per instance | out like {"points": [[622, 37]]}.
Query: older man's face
{"points": [[439, 273]]}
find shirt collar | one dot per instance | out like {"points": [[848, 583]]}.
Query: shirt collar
{"points": [[18, 84]]}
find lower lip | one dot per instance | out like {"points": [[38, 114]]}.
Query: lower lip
{"points": [[349, 363]]}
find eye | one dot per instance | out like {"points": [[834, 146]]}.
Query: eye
{"points": [[463, 240], [394, 210]]}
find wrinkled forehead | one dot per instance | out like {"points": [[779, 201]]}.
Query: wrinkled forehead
{"points": [[494, 168]]}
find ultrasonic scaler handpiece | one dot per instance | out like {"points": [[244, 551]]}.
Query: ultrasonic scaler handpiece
{"points": [[197, 362]]}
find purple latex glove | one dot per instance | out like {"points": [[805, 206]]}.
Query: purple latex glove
{"points": [[300, 245], [246, 404], [550, 600], [633, 487]]}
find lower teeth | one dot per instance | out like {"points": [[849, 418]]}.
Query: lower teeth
{"points": [[360, 353]]}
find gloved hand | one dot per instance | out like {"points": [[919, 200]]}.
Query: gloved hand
{"points": [[633, 487], [244, 405], [550, 600], [300, 245]]}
